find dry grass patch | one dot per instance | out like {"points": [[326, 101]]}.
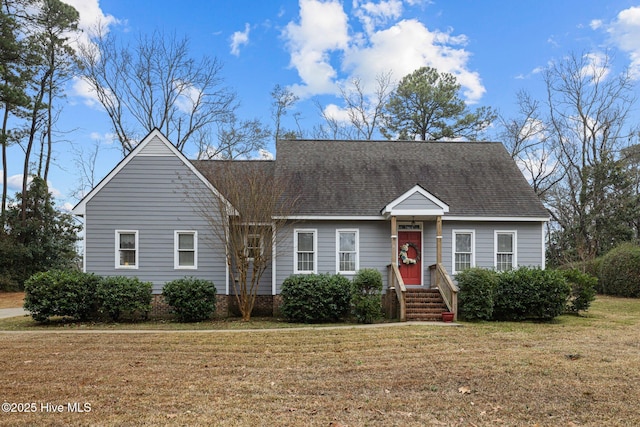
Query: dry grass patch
{"points": [[576, 371], [11, 299]]}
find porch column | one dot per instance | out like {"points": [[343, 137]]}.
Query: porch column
{"points": [[438, 248], [394, 240], [439, 239]]}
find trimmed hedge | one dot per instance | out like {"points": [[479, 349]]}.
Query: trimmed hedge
{"points": [[120, 295], [620, 271], [61, 293], [366, 295], [476, 290], [190, 299], [530, 294], [583, 290], [316, 298]]}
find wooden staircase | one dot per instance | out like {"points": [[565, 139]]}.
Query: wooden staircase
{"points": [[424, 304]]}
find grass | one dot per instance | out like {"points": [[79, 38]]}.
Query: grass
{"points": [[575, 371], [11, 299]]}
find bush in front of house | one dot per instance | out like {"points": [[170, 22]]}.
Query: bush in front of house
{"points": [[316, 298], [530, 294], [620, 271], [476, 293], [190, 299], [366, 295], [67, 293], [583, 290], [119, 296]]}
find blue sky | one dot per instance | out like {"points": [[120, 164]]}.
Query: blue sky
{"points": [[495, 48]]}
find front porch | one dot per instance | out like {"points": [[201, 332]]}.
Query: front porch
{"points": [[408, 271]]}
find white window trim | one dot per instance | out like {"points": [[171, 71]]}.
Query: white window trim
{"points": [[514, 261], [357, 250], [295, 250], [176, 252], [117, 250], [453, 248]]}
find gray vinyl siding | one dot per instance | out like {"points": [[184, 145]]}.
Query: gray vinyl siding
{"points": [[374, 247], [149, 195], [529, 242], [416, 201]]}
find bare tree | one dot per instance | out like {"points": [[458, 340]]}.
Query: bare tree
{"points": [[248, 221], [283, 101], [364, 110], [589, 114], [236, 139], [529, 142], [156, 84]]}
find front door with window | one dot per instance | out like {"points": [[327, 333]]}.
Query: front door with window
{"points": [[409, 259]]}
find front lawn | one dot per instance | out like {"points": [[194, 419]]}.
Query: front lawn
{"points": [[574, 371]]}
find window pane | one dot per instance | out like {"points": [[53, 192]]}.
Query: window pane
{"points": [[463, 261], [347, 262], [348, 241], [305, 242], [128, 257], [305, 261], [186, 241], [127, 241], [463, 242], [186, 259], [505, 243], [504, 262]]}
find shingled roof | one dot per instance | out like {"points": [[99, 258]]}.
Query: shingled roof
{"points": [[359, 178]]}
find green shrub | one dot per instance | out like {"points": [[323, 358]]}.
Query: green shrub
{"points": [[620, 271], [475, 297], [583, 290], [316, 298], [366, 295], [190, 299], [119, 295], [530, 293], [61, 293]]}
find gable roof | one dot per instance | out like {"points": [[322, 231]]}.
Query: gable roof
{"points": [[154, 144], [360, 178], [416, 201]]}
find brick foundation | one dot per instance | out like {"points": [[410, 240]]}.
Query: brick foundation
{"points": [[226, 306]]}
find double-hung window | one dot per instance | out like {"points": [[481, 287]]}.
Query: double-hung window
{"points": [[127, 249], [463, 252], [347, 251], [186, 250], [253, 245], [505, 247], [305, 249]]}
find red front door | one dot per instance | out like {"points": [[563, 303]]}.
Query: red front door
{"points": [[409, 256]]}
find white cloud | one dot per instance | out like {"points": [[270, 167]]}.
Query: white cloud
{"points": [[188, 97], [323, 28], [91, 15], [323, 46], [83, 89], [595, 24], [373, 14], [336, 113], [239, 38], [265, 154], [14, 183], [596, 65], [625, 33]]}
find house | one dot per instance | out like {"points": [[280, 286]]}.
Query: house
{"points": [[417, 211]]}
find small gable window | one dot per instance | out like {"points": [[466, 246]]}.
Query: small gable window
{"points": [[305, 251], [186, 250], [126, 249]]}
